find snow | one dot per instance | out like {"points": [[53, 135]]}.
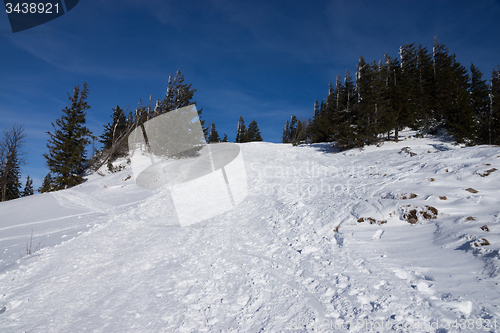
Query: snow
{"points": [[292, 257]]}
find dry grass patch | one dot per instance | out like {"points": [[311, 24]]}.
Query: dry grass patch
{"points": [[481, 242], [427, 213], [487, 172], [471, 218], [371, 220], [471, 190], [485, 228], [430, 213], [408, 196], [432, 180], [443, 197], [411, 216], [30, 248], [407, 151], [399, 196]]}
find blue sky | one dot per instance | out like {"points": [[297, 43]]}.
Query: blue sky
{"points": [[264, 60]]}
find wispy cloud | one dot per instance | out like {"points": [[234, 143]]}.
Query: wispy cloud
{"points": [[66, 51]]}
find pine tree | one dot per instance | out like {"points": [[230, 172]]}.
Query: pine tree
{"points": [[319, 127], [426, 118], [10, 163], [28, 187], [442, 78], [241, 131], [365, 132], [396, 110], [480, 100], [316, 109], [340, 110], [253, 132], [495, 107], [346, 120], [213, 136], [451, 96], [225, 138], [388, 105], [286, 132], [460, 119], [293, 127], [114, 131], [67, 157], [301, 133], [12, 187], [47, 185], [179, 95], [408, 86]]}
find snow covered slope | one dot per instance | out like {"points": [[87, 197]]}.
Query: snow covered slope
{"points": [[385, 239]]}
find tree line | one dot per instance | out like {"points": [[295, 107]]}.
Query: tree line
{"points": [[67, 157], [424, 90]]}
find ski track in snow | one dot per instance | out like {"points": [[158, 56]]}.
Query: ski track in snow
{"points": [[291, 258]]}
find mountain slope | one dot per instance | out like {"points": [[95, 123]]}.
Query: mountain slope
{"points": [[322, 242]]}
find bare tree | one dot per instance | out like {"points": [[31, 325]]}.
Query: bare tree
{"points": [[10, 156]]}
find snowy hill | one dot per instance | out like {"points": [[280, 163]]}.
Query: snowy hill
{"points": [[402, 237]]}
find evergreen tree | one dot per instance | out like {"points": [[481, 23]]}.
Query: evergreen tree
{"points": [[319, 127], [178, 95], [316, 109], [286, 132], [253, 132], [408, 86], [12, 186], [301, 133], [451, 99], [396, 98], [293, 127], [444, 97], [460, 119], [113, 137], [225, 138], [425, 111], [495, 107], [47, 185], [338, 116], [67, 157], [28, 187], [114, 128], [346, 120], [365, 131], [213, 136], [480, 99], [10, 163], [388, 107], [241, 131]]}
